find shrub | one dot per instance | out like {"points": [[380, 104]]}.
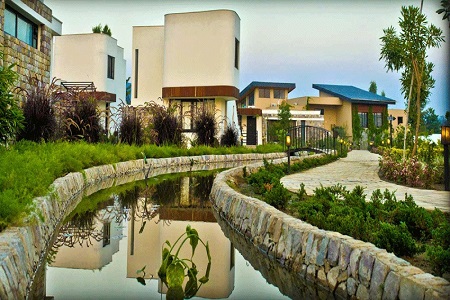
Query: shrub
{"points": [[38, 110], [205, 127], [83, 120], [130, 130], [230, 137], [165, 125], [11, 117], [396, 238], [277, 196]]}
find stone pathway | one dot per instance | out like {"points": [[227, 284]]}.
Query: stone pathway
{"points": [[360, 167]]}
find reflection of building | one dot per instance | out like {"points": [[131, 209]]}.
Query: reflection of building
{"points": [[258, 111], [90, 246], [146, 238], [191, 61]]}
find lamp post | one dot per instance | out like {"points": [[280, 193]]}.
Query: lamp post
{"points": [[445, 141], [288, 144]]}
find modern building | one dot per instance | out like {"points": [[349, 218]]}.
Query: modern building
{"points": [[192, 61], [27, 30], [258, 111], [93, 62], [338, 102]]}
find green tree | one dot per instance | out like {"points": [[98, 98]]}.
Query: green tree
{"points": [[431, 123], [11, 116], [373, 87], [407, 51], [284, 117], [445, 9], [102, 29], [356, 126], [383, 94]]}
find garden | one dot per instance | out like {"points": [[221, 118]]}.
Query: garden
{"points": [[47, 132], [399, 226]]}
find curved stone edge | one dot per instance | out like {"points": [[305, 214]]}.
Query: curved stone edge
{"points": [[23, 249], [348, 267]]}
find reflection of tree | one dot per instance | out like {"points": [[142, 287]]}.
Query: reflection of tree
{"points": [[202, 188], [167, 192]]}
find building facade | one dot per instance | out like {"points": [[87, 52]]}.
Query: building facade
{"points": [[337, 103], [192, 62], [258, 111], [94, 62], [27, 30]]}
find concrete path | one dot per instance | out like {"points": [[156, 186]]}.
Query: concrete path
{"points": [[360, 167]]}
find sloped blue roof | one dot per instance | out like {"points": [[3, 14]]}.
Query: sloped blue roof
{"points": [[353, 94], [266, 85]]}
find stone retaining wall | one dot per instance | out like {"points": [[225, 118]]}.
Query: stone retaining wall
{"points": [[23, 249], [348, 267]]}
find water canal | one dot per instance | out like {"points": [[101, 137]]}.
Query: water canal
{"points": [[115, 232]]}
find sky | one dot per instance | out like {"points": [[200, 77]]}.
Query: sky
{"points": [[303, 42]]}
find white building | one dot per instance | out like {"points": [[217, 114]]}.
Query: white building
{"points": [[91, 58], [192, 60]]}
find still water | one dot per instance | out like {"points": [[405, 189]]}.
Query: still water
{"points": [[115, 232]]}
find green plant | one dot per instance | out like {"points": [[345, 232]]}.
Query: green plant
{"points": [[396, 238], [102, 29], [39, 110], [174, 270], [11, 117], [277, 196], [356, 127]]}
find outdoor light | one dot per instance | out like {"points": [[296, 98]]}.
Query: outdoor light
{"points": [[288, 144], [445, 135], [445, 140], [288, 140]]}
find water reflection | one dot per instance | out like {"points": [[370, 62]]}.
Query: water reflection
{"points": [[145, 215]]}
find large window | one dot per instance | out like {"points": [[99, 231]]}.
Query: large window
{"points": [[111, 65], [188, 109], [363, 119], [378, 119], [278, 94], [264, 93], [20, 27]]}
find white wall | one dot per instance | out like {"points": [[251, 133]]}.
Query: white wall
{"points": [[83, 57], [199, 49], [149, 40]]}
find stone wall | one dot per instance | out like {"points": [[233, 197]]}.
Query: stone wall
{"points": [[348, 267], [29, 60], [23, 249]]}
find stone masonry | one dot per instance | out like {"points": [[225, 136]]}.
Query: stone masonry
{"points": [[350, 268], [29, 61], [23, 249]]}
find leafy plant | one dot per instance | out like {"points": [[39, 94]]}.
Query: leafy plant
{"points": [[11, 117], [102, 29], [39, 110], [174, 270]]}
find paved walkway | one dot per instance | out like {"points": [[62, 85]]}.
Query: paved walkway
{"points": [[360, 167]]}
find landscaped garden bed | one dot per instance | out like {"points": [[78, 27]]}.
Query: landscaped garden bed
{"points": [[400, 226]]}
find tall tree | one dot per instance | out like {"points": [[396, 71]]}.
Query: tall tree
{"points": [[431, 123], [445, 9], [373, 87], [407, 51]]}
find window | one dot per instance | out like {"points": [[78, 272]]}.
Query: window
{"points": [[188, 108], [264, 93], [363, 119], [378, 119], [251, 99], [20, 27], [399, 120], [111, 63], [136, 72], [106, 234], [236, 54], [278, 94]]}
